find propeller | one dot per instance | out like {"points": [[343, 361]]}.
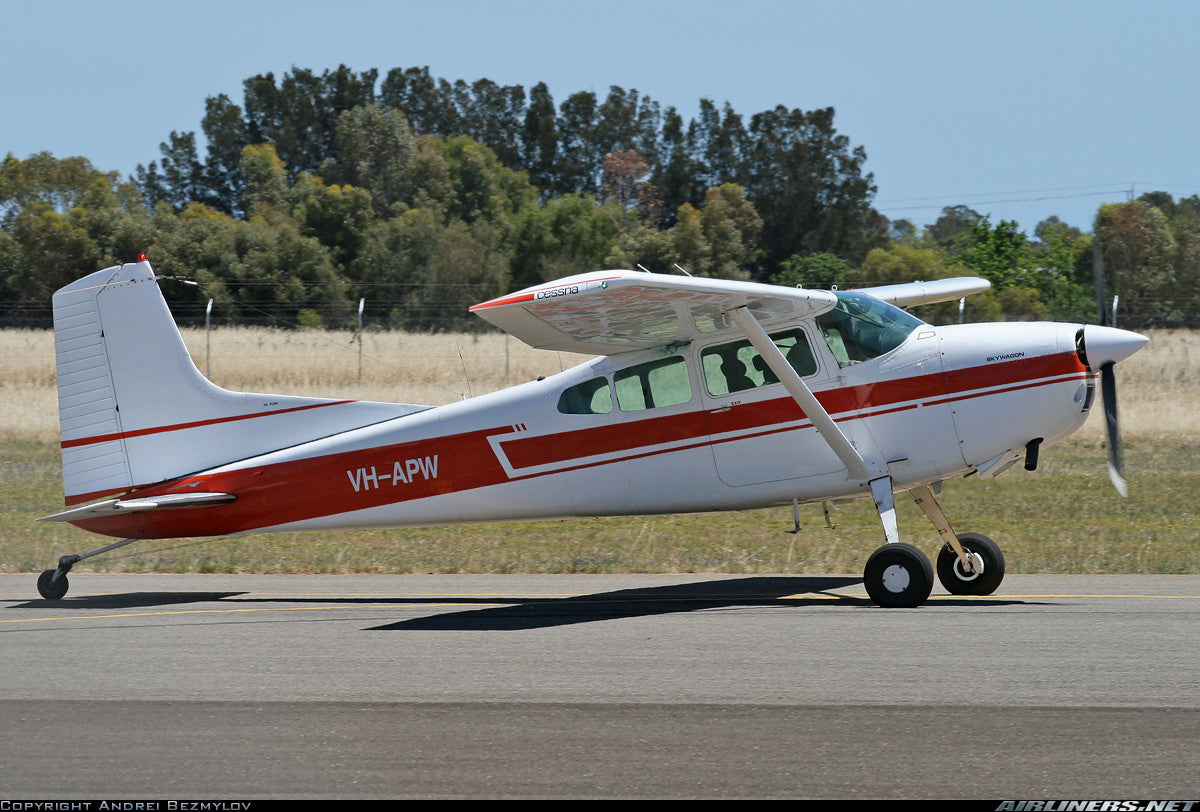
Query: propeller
{"points": [[1100, 348]]}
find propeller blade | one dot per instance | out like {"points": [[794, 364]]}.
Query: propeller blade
{"points": [[1108, 390]]}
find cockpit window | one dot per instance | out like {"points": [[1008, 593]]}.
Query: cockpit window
{"points": [[862, 327]]}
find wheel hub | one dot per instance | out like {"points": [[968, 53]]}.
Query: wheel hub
{"points": [[976, 567], [896, 578]]}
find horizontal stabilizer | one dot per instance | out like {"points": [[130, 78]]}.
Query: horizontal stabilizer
{"points": [[113, 507]]}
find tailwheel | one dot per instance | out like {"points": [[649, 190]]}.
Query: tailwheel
{"points": [[987, 566], [52, 584], [52, 588], [898, 575]]}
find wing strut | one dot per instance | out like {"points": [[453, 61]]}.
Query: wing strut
{"points": [[859, 469]]}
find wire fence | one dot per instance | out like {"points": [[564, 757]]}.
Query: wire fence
{"points": [[436, 318]]}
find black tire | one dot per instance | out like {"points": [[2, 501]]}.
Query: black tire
{"points": [[50, 589], [956, 582], [898, 576]]}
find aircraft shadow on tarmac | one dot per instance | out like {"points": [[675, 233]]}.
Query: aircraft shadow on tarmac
{"points": [[770, 591], [129, 600], [537, 612], [530, 613]]}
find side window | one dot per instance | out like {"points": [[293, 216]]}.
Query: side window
{"points": [[664, 382], [728, 368], [590, 397], [794, 346], [737, 366]]}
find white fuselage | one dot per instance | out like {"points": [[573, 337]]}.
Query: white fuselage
{"points": [[947, 401]]}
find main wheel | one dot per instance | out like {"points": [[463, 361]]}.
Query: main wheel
{"points": [[898, 575], [989, 562], [51, 589]]}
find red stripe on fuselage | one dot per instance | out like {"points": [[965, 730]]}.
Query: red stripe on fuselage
{"points": [[759, 418], [295, 490]]}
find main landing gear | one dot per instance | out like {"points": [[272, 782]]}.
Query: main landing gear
{"points": [[899, 575]]}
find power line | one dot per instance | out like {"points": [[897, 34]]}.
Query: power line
{"points": [[938, 202]]}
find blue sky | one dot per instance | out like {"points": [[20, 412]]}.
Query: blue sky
{"points": [[1020, 110]]}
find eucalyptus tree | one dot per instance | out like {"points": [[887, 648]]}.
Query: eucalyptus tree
{"points": [[540, 139], [809, 186], [1138, 251], [299, 114]]}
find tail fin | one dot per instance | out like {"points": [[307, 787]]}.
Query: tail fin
{"points": [[134, 409]]}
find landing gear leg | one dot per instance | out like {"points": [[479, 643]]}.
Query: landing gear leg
{"points": [[53, 584], [897, 574], [967, 564]]}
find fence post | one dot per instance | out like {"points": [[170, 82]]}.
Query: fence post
{"points": [[208, 340]]}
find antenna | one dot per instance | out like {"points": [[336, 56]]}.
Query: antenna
{"points": [[681, 268], [463, 361]]}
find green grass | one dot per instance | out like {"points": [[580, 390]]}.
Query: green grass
{"points": [[1064, 518]]}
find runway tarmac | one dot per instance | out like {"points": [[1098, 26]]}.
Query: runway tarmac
{"points": [[241, 687]]}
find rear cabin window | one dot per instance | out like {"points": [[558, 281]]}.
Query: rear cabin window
{"points": [[737, 366], [654, 384], [590, 397]]}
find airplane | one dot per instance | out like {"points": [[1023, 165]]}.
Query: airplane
{"points": [[699, 395]]}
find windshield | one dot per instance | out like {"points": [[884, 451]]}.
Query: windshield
{"points": [[862, 327]]}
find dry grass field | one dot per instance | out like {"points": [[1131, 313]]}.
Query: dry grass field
{"points": [[395, 367], [1063, 518]]}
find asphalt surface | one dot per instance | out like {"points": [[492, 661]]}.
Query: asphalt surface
{"points": [[242, 687]]}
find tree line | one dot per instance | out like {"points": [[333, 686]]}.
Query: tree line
{"points": [[423, 196]]}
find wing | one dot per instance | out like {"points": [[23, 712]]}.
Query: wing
{"points": [[910, 294], [605, 312]]}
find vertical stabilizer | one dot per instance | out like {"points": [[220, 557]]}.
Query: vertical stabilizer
{"points": [[133, 408]]}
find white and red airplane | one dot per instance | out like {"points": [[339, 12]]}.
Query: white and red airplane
{"points": [[706, 395]]}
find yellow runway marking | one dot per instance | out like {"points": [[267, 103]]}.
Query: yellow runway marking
{"points": [[232, 611], [1074, 595]]}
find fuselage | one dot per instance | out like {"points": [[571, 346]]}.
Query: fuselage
{"points": [[669, 430]]}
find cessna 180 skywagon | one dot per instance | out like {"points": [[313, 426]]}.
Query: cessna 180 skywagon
{"points": [[706, 395]]}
